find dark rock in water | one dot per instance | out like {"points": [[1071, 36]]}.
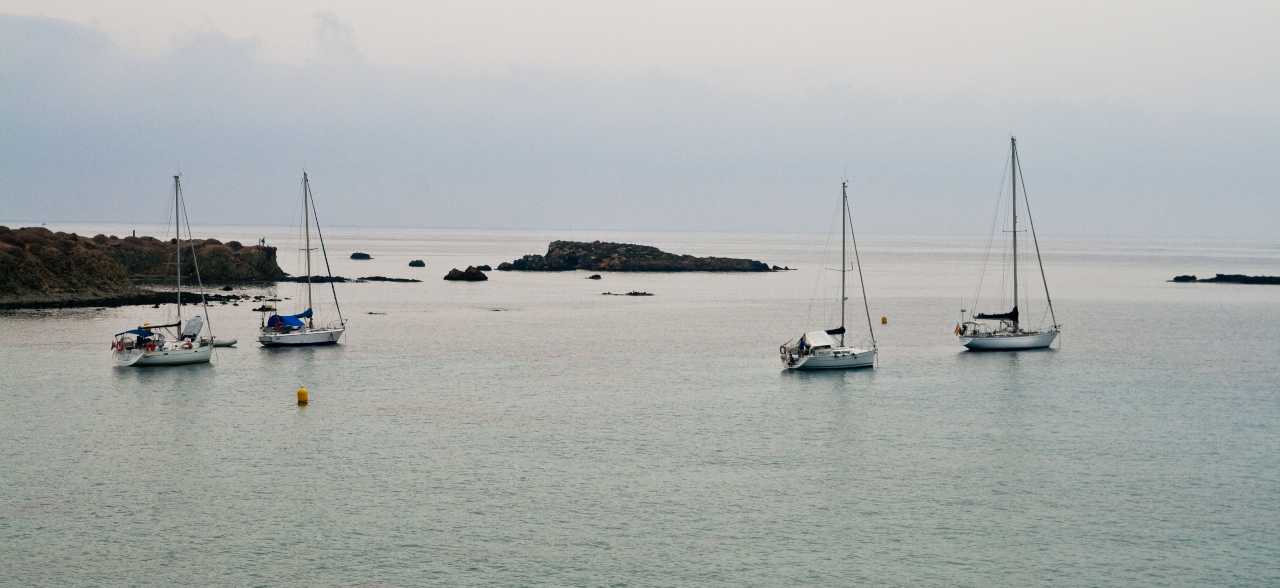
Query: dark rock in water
{"points": [[625, 257], [265, 308], [593, 277], [386, 279], [471, 274], [417, 263], [783, 269], [1232, 279], [316, 279], [361, 255], [375, 313], [631, 293], [484, 268], [227, 288]]}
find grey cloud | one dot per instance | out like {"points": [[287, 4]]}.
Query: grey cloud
{"points": [[93, 132]]}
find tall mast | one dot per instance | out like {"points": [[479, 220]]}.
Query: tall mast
{"points": [[306, 229], [177, 241], [1013, 181], [844, 209]]}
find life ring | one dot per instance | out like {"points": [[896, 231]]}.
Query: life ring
{"points": [[151, 346]]}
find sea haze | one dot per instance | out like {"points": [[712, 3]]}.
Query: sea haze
{"points": [[528, 430]]}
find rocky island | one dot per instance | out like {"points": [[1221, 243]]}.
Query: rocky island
{"points": [[600, 256], [41, 268], [1229, 279]]}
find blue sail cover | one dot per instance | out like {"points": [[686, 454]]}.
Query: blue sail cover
{"points": [[288, 321]]}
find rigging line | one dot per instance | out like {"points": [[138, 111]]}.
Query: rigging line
{"points": [[818, 279], [325, 253], [195, 262], [1036, 241], [991, 235], [866, 306]]}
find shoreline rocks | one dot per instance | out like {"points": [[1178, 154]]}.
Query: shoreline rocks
{"points": [[417, 263], [625, 257], [360, 255], [43, 269]]}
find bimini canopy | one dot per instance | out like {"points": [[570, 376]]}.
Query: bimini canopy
{"points": [[1012, 315], [290, 321], [817, 339], [138, 332]]}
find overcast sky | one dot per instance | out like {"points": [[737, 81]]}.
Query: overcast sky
{"points": [[1134, 119]]}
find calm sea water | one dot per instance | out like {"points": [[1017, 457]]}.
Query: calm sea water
{"points": [[528, 430]]}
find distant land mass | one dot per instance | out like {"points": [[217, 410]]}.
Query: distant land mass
{"points": [[1229, 279], [39, 267], [600, 256]]}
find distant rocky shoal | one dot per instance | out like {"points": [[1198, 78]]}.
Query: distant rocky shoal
{"points": [[600, 256], [1229, 279], [346, 280]]}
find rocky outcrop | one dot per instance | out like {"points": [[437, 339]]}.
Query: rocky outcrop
{"points": [[417, 263], [1230, 279], [471, 274], [39, 266], [345, 280], [386, 279], [360, 255], [625, 257]]}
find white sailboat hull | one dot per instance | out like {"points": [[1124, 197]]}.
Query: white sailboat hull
{"points": [[301, 337], [1010, 342], [163, 357], [840, 358]]}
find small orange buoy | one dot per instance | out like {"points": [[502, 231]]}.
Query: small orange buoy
{"points": [[302, 396], [884, 320]]}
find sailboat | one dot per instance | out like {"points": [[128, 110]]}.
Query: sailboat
{"points": [[296, 330], [1005, 331], [826, 349], [175, 343]]}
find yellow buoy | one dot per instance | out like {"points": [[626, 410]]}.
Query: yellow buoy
{"points": [[884, 320], [302, 396]]}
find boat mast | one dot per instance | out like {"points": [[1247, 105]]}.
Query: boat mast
{"points": [[844, 206], [1013, 181], [306, 229], [177, 241]]}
